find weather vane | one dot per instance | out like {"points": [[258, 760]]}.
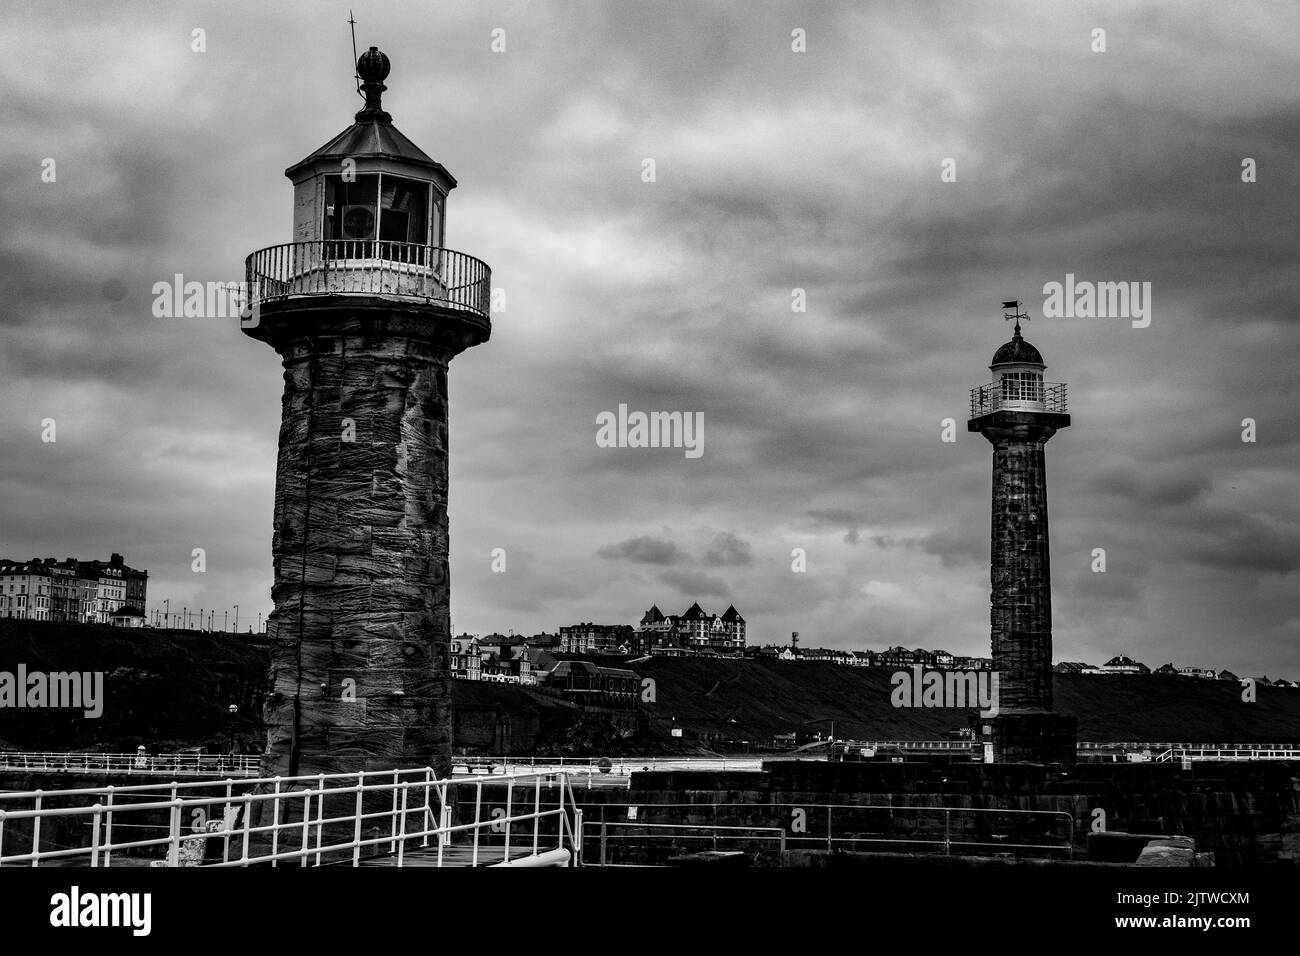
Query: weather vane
{"points": [[1015, 313], [355, 75]]}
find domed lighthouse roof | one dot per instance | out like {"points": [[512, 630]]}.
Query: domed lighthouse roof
{"points": [[1017, 352]]}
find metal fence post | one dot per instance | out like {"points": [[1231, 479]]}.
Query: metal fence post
{"points": [[36, 830], [578, 836], [306, 828], [401, 843], [428, 808], [108, 828], [174, 834], [275, 825], [478, 818], [510, 790], [537, 809], [248, 809], [225, 840], [320, 818], [444, 825], [392, 829], [356, 829], [94, 833]]}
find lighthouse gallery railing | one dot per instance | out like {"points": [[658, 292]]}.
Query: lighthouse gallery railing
{"points": [[370, 267], [990, 398]]}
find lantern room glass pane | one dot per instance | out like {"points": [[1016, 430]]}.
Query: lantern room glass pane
{"points": [[351, 213], [404, 211], [1022, 387]]}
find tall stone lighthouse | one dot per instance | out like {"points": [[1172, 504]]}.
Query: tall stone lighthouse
{"points": [[1018, 413], [366, 309]]}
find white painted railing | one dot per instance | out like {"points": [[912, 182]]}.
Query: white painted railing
{"points": [[324, 819], [1229, 752], [213, 765]]}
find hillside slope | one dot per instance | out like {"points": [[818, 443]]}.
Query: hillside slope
{"points": [[754, 699], [166, 689], [170, 690]]}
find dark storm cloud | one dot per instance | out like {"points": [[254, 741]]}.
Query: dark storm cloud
{"points": [[776, 171], [644, 549], [837, 518], [727, 550]]}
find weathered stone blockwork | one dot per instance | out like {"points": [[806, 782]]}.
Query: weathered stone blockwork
{"points": [[1020, 613], [1021, 599], [360, 635]]}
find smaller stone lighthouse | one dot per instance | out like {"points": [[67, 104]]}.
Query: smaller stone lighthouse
{"points": [[1018, 412]]}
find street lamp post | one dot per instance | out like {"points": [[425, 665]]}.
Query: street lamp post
{"points": [[233, 709], [236, 618]]}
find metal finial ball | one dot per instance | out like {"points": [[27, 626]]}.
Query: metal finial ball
{"points": [[373, 66]]}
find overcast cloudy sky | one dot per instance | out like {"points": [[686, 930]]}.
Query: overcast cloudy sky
{"points": [[775, 170]]}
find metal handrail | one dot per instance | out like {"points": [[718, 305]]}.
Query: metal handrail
{"points": [[1226, 753], [240, 765], [829, 838], [988, 398], [416, 806], [369, 267]]}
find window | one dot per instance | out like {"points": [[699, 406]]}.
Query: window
{"points": [[391, 209], [1022, 387]]}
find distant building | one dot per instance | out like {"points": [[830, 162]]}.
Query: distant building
{"points": [[499, 658], [128, 616], [897, 658], [828, 655], [70, 590], [1070, 667], [137, 582], [1120, 664], [584, 683], [67, 604], [691, 632], [597, 639], [1201, 672], [112, 592], [550, 642], [1167, 670], [28, 590]]}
